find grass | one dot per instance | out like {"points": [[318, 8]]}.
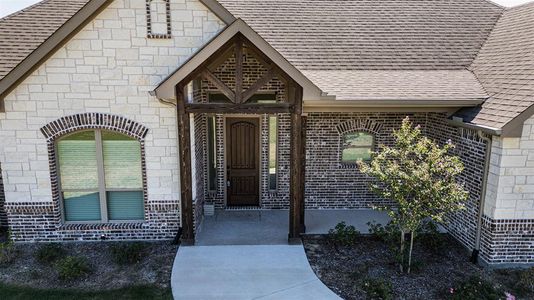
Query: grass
{"points": [[129, 293]]}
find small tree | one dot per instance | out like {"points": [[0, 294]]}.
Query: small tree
{"points": [[420, 178]]}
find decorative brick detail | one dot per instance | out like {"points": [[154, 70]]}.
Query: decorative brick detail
{"points": [[366, 125], [507, 241], [83, 121], [150, 33], [3, 215]]}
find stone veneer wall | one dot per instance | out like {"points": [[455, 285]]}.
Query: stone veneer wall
{"points": [[508, 236], [108, 67]]}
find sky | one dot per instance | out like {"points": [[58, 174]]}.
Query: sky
{"points": [[9, 6]]}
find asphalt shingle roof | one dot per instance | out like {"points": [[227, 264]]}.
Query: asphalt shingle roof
{"points": [[368, 49], [371, 34], [22, 32], [505, 67], [399, 85]]}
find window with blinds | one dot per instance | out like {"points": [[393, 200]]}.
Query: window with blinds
{"points": [[101, 177]]}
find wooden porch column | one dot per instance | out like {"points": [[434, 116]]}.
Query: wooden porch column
{"points": [[296, 197], [184, 160]]}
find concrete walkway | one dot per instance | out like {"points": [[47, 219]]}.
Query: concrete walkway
{"points": [[245, 255], [245, 272]]}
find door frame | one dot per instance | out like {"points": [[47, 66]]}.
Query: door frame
{"points": [[225, 162]]}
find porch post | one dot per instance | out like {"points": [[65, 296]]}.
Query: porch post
{"points": [[296, 205], [184, 143], [303, 175]]}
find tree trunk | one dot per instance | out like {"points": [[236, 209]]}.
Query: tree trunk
{"points": [[410, 252], [402, 251]]}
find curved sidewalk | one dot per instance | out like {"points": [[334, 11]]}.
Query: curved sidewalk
{"points": [[245, 272]]}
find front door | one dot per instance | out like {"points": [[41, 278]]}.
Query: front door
{"points": [[243, 161]]}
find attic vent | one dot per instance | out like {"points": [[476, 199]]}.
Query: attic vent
{"points": [[158, 18]]}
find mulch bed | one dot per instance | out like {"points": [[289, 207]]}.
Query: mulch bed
{"points": [[344, 268], [154, 269]]}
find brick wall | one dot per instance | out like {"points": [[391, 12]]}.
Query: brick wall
{"points": [[3, 215], [331, 184], [472, 150]]}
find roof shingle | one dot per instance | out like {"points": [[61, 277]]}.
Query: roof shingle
{"points": [[505, 67], [370, 34], [399, 85], [22, 32]]}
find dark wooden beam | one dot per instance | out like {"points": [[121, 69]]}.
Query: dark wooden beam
{"points": [[296, 196], [219, 85], [239, 70], [258, 85], [184, 143], [220, 59], [303, 175], [265, 108]]}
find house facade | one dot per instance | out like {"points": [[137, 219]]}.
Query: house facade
{"points": [[124, 119]]}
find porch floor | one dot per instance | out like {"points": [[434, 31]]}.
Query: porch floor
{"points": [[270, 227]]}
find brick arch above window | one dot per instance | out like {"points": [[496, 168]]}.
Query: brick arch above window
{"points": [[354, 125], [72, 123]]}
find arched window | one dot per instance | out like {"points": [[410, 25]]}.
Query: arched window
{"points": [[356, 146], [100, 176]]}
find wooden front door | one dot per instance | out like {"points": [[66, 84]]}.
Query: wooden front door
{"points": [[243, 161]]}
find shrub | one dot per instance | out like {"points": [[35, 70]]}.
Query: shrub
{"points": [[377, 288], [476, 288], [430, 237], [525, 284], [343, 234], [428, 233], [49, 253], [388, 234], [8, 252], [127, 253], [72, 267], [420, 178]]}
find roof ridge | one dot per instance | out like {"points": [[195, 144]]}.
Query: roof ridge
{"points": [[25, 9], [485, 41]]}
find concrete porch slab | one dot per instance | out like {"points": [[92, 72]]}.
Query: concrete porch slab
{"points": [[245, 272], [270, 227]]}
